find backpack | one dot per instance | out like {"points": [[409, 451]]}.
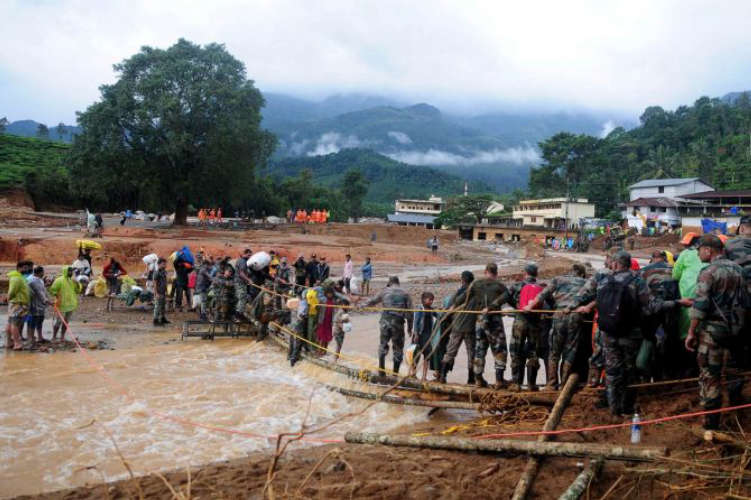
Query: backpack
{"points": [[617, 308], [528, 293]]}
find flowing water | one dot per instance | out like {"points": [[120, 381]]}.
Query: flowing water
{"points": [[56, 410]]}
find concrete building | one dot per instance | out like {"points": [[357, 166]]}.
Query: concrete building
{"points": [[416, 212], [555, 213], [667, 188], [663, 210], [717, 207]]}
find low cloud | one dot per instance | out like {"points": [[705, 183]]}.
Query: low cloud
{"points": [[607, 127], [516, 155], [333, 142], [400, 137]]}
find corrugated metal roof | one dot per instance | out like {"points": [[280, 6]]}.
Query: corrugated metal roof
{"points": [[652, 202], [741, 193], [663, 182], [410, 218]]}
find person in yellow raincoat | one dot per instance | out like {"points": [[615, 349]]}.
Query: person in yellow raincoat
{"points": [[65, 291]]}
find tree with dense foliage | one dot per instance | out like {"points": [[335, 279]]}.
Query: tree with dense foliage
{"points": [[60, 129], [42, 131], [709, 140], [179, 126], [3, 124], [354, 189], [464, 210]]}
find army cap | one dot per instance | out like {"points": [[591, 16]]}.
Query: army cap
{"points": [[531, 269], [711, 241]]}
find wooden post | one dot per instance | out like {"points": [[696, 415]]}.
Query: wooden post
{"points": [[388, 398], [582, 480], [514, 446], [533, 464]]}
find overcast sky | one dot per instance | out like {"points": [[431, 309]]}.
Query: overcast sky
{"points": [[619, 56]]}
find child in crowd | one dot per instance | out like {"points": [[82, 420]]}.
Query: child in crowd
{"points": [[422, 330]]}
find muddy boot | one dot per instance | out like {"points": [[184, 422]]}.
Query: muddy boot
{"points": [[500, 383], [471, 378], [397, 364], [565, 372], [532, 378], [480, 381], [382, 365], [552, 373], [712, 422], [443, 373], [165, 321], [594, 376], [157, 322], [517, 377]]}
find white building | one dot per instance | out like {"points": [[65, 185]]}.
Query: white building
{"points": [[416, 212], [667, 188], [556, 213]]}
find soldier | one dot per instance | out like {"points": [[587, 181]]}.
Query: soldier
{"points": [[242, 279], [224, 285], [525, 334], [452, 326], [567, 326], [299, 266], [160, 292], [392, 322], [738, 249], [487, 294], [717, 324], [622, 301], [661, 326], [597, 360]]}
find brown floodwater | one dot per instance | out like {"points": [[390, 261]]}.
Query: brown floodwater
{"points": [[57, 411]]}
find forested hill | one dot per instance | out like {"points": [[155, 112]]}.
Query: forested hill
{"points": [[388, 179], [709, 140]]}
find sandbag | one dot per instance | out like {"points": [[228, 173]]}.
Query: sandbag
{"points": [[100, 288], [197, 301], [259, 260], [88, 244], [151, 260], [355, 283]]}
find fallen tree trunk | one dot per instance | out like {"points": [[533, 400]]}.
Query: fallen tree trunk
{"points": [[582, 480], [534, 448], [388, 398], [533, 464]]}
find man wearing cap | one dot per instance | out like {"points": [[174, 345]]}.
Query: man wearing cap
{"points": [[312, 270], [567, 325], [525, 335], [392, 322], [620, 347], [717, 326], [459, 327], [686, 270]]}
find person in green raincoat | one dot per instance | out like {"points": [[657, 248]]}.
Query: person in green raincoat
{"points": [[686, 270], [66, 291]]}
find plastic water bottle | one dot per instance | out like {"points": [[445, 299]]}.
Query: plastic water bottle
{"points": [[636, 429]]}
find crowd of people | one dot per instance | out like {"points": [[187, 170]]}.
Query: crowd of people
{"points": [[673, 318], [315, 216], [210, 216]]}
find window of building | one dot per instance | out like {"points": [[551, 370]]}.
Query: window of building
{"points": [[663, 209], [660, 189], [652, 209], [499, 236], [533, 219], [482, 236]]}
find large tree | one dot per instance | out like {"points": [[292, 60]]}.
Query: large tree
{"points": [[354, 189], [180, 126]]}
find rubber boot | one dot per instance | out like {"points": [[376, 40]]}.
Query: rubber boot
{"points": [[157, 322], [552, 373], [382, 365], [479, 381], [471, 378], [444, 372], [565, 372], [397, 364], [712, 422], [165, 321], [517, 378], [500, 383], [532, 378], [593, 376]]}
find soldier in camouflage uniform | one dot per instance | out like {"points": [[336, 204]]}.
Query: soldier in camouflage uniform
{"points": [[567, 325], [661, 326], [525, 336], [242, 279], [392, 322], [620, 348], [738, 250], [224, 294], [485, 294], [717, 325], [458, 327]]}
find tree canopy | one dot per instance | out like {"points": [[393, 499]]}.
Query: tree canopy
{"points": [[180, 126], [709, 140]]}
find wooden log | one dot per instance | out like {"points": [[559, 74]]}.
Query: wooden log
{"points": [[575, 490], [534, 448], [471, 393], [389, 398], [533, 464]]}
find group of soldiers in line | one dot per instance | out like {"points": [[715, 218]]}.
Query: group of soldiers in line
{"points": [[634, 312]]}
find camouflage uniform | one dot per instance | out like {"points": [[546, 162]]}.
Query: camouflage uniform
{"points": [[392, 323], [525, 337], [566, 328], [620, 351], [720, 306], [224, 294], [459, 327], [738, 250], [597, 360], [492, 294], [241, 286], [661, 326]]}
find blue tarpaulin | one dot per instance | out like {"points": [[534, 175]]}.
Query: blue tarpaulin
{"points": [[709, 226]]}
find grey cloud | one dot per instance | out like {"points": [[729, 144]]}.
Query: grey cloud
{"points": [[522, 155], [333, 142], [400, 137]]}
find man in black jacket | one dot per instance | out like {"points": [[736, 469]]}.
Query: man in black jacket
{"points": [[311, 271]]}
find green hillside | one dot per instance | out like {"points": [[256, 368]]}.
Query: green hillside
{"points": [[388, 179], [36, 165]]}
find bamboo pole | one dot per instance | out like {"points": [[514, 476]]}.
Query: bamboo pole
{"points": [[388, 398], [533, 464], [575, 490], [534, 448]]}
